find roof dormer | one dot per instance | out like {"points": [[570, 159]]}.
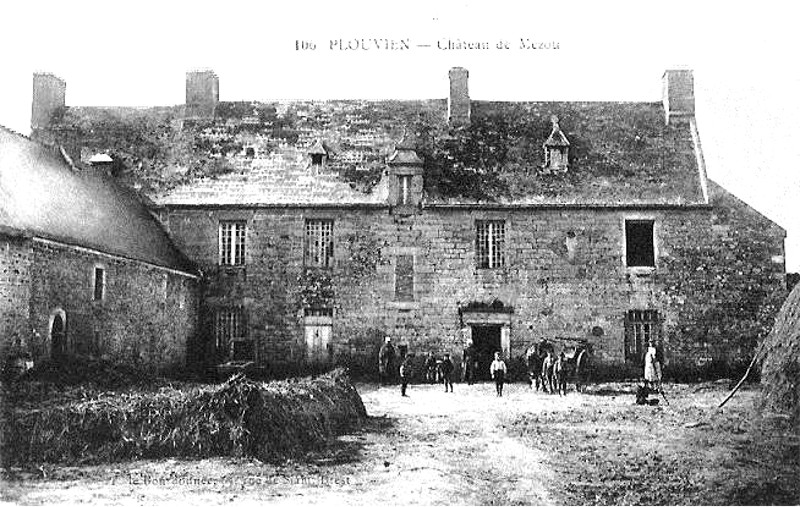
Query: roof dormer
{"points": [[405, 172], [556, 149], [318, 154]]}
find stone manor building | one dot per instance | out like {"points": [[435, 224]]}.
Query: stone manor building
{"points": [[319, 227]]}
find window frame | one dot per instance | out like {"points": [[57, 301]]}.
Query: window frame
{"points": [[494, 256], [641, 325], [653, 253], [402, 296], [102, 283], [230, 327], [233, 252], [318, 243]]}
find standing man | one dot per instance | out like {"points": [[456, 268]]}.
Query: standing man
{"points": [[498, 371], [405, 374], [386, 362], [467, 363], [430, 368], [446, 368]]}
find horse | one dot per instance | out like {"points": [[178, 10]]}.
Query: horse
{"points": [[534, 362], [571, 365]]}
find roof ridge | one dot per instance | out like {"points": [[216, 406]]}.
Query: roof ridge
{"points": [[14, 132]]}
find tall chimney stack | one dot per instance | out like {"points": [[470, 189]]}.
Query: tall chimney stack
{"points": [[49, 96], [202, 94], [678, 96], [458, 104]]}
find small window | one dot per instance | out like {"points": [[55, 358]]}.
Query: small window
{"points": [[490, 241], [99, 287], [641, 326], [404, 278], [404, 189], [319, 243], [232, 237], [231, 335], [639, 244], [318, 312], [317, 159]]}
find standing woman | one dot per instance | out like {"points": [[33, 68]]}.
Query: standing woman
{"points": [[652, 367], [498, 371]]}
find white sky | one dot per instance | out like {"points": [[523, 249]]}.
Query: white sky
{"points": [[747, 81]]}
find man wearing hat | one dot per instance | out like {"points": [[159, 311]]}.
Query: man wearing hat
{"points": [[386, 361]]}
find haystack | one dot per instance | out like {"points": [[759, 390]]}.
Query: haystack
{"points": [[240, 417], [780, 370]]}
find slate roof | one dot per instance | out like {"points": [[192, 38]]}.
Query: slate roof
{"points": [[45, 197], [620, 153]]}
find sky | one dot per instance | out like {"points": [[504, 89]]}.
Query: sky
{"points": [[747, 84]]}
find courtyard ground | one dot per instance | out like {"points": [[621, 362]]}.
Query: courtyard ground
{"points": [[470, 447]]}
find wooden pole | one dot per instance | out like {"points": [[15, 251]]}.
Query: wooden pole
{"points": [[746, 373]]}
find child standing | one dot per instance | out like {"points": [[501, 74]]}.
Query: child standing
{"points": [[498, 371], [446, 369], [405, 374]]}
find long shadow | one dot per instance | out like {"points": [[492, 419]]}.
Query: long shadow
{"points": [[348, 447], [611, 391]]}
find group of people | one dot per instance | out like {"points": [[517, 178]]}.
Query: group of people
{"points": [[546, 369], [436, 370]]}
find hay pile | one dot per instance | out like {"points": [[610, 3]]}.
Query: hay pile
{"points": [[240, 417], [780, 370]]}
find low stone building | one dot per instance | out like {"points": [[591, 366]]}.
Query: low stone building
{"points": [[321, 227], [85, 269]]}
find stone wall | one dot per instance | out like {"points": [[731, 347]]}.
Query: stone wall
{"points": [[147, 316], [15, 275], [564, 276], [730, 288]]}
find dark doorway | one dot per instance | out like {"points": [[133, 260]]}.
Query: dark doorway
{"points": [[486, 340], [58, 338]]}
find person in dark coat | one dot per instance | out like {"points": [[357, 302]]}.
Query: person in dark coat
{"points": [[430, 368], [468, 363], [405, 375], [386, 362], [446, 372]]}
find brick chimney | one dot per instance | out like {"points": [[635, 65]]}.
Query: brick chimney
{"points": [[202, 94], [458, 104], [49, 96], [678, 96]]}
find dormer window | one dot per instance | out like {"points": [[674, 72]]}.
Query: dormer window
{"points": [[318, 154], [556, 149]]}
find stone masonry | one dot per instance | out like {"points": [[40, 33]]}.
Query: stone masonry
{"points": [[144, 318], [564, 276]]}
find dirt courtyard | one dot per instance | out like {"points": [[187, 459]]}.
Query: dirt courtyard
{"points": [[470, 447]]}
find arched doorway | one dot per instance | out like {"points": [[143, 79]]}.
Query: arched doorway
{"points": [[58, 334]]}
